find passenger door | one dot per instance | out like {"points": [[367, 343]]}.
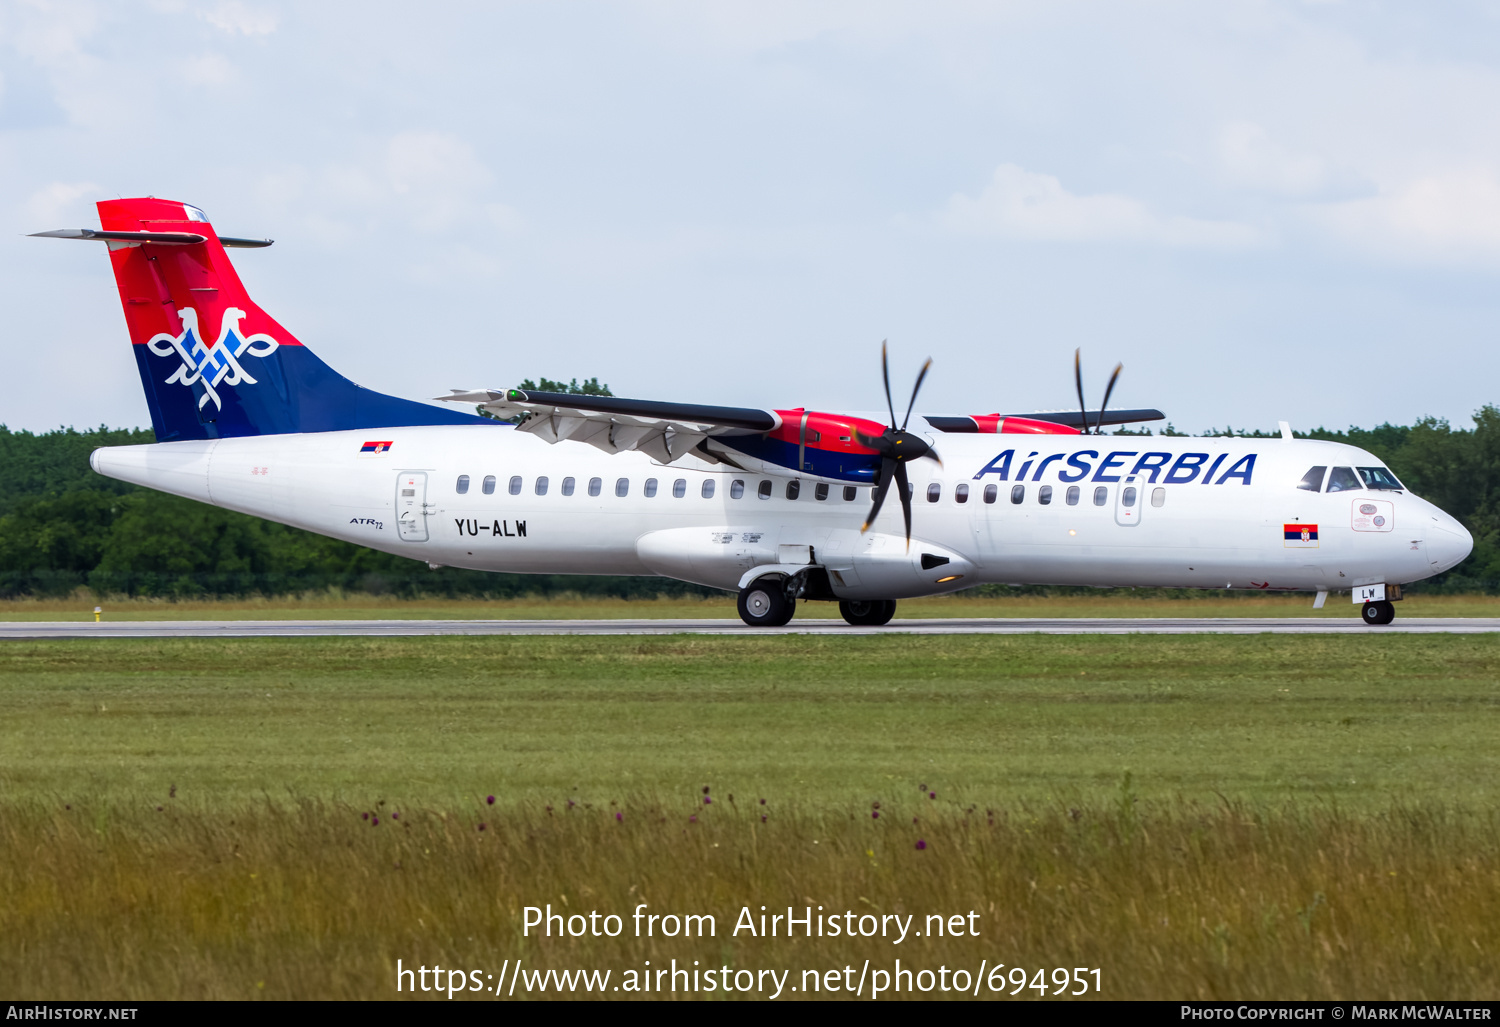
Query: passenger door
{"points": [[411, 506]]}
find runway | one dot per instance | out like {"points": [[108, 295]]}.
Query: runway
{"points": [[809, 626]]}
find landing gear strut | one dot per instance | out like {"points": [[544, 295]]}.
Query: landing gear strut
{"points": [[764, 603], [1379, 612], [868, 612]]}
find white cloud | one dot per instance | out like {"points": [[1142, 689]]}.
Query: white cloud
{"points": [[1448, 216], [1021, 204], [208, 69], [62, 201], [1250, 158], [235, 17]]}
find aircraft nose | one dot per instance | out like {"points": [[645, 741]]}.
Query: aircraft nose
{"points": [[1449, 543]]}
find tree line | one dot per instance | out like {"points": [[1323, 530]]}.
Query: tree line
{"points": [[63, 527]]}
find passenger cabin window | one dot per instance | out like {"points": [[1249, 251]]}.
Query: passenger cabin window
{"points": [[991, 493], [567, 486], [793, 489], [961, 493], [515, 485], [488, 485], [1342, 479], [851, 493], [1158, 497], [708, 488], [934, 492], [1312, 481], [764, 489], [1127, 496], [1380, 478], [650, 488], [679, 488], [821, 492], [596, 485], [622, 487], [1072, 497], [541, 485], [737, 489], [462, 488], [1044, 495], [1101, 495], [1017, 493]]}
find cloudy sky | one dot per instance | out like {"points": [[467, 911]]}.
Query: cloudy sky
{"points": [[1266, 210]]}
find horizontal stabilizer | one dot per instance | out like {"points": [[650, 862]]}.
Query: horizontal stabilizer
{"points": [[158, 238]]}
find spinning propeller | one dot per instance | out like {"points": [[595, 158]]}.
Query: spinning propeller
{"points": [[1078, 380], [896, 446]]}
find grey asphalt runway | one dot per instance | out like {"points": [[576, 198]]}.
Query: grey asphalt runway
{"points": [[956, 626]]}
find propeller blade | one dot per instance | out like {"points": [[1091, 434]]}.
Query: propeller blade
{"points": [[914, 389], [887, 469], [1078, 380], [1110, 388], [933, 453], [904, 493], [885, 374]]}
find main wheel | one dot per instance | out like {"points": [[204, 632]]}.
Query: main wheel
{"points": [[764, 603], [868, 612], [1381, 612]]}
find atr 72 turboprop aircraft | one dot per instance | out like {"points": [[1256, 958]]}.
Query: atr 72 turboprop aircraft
{"points": [[778, 505]]}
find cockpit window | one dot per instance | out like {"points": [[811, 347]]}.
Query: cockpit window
{"points": [[1312, 481], [1380, 478], [193, 213], [1342, 480]]}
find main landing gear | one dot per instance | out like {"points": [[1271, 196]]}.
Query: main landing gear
{"points": [[1379, 612], [764, 603], [770, 600], [868, 612]]}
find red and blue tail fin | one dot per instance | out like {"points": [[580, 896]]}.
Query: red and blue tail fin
{"points": [[214, 365]]}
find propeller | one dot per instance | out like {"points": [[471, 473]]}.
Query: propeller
{"points": [[1098, 428], [896, 446]]}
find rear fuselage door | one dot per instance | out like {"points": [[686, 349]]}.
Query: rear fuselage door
{"points": [[411, 506]]}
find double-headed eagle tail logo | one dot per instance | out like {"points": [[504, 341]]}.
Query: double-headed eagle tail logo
{"points": [[216, 364]]}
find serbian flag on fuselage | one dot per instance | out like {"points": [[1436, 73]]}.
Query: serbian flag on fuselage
{"points": [[375, 447], [1300, 536]]}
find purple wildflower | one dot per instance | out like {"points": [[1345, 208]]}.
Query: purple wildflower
{"points": [[481, 827], [921, 844], [932, 795], [874, 814], [364, 816], [707, 801], [693, 819], [489, 800], [762, 818], [620, 817], [374, 821]]}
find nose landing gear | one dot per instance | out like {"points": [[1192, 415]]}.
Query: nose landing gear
{"points": [[1378, 612]]}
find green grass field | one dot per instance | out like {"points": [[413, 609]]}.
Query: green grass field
{"points": [[1200, 816]]}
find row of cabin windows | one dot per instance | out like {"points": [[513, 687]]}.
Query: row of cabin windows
{"points": [[679, 487], [1044, 494]]}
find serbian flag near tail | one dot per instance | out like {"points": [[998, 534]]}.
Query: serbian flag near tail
{"points": [[1300, 536]]}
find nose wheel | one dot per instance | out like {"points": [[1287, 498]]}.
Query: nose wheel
{"points": [[1381, 612], [764, 603]]}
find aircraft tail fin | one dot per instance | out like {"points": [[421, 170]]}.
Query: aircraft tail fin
{"points": [[213, 364]]}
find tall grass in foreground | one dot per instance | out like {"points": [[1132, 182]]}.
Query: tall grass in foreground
{"points": [[318, 900]]}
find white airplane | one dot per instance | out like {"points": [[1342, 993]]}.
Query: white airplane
{"points": [[778, 505]]}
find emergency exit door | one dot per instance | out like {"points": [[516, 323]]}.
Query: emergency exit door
{"points": [[411, 506]]}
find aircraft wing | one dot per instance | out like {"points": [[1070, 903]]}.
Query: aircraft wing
{"points": [[666, 431]]}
